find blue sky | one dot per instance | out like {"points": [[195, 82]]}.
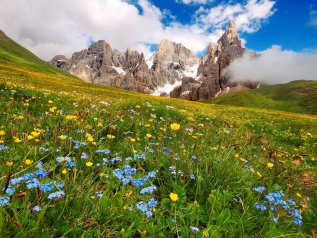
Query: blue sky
{"points": [[48, 28], [290, 25]]}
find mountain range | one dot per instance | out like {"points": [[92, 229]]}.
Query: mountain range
{"points": [[173, 70]]}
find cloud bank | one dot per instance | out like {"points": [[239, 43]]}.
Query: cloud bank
{"points": [[55, 27], [312, 18], [274, 66]]}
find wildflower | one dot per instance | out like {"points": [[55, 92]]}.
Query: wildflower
{"points": [[110, 137], [9, 163], [47, 187], [30, 137], [195, 230], [102, 175], [174, 197], [274, 219], [191, 119], [132, 140], [260, 207], [270, 165], [84, 155], [298, 195], [63, 137], [64, 171], [50, 102], [89, 164], [56, 195], [28, 162], [148, 190], [259, 189], [40, 173], [99, 194], [53, 109], [70, 118], [175, 126], [4, 201], [10, 190], [149, 136], [259, 174], [17, 140], [90, 139], [3, 147], [103, 151], [63, 159], [36, 209], [2, 133]]}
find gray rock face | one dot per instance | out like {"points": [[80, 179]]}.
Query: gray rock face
{"points": [[219, 56], [101, 64]]}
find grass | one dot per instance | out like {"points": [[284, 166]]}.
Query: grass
{"points": [[114, 157], [297, 96]]}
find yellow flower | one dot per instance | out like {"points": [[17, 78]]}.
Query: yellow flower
{"points": [[270, 165], [26, 104], [53, 109], [132, 139], [147, 125], [90, 139], [109, 136], [298, 195], [2, 133], [259, 174], [64, 171], [1, 141], [128, 194], [102, 174], [100, 125], [17, 140], [149, 136], [135, 151], [175, 126], [50, 102], [89, 164], [70, 118], [9, 163], [19, 117], [63, 137], [174, 197], [113, 127], [191, 119], [30, 137], [35, 134], [28, 162], [88, 135]]}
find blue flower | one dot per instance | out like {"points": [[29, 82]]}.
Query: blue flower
{"points": [[148, 214], [116, 159], [260, 207], [3, 147], [10, 190], [151, 174], [274, 219], [118, 173], [62, 159], [4, 201], [84, 155], [138, 182], [36, 209], [99, 194], [177, 158], [70, 164], [142, 206], [56, 195], [298, 222], [259, 189], [39, 165], [194, 229], [33, 183], [48, 187], [152, 203], [192, 176], [43, 149], [148, 190], [128, 170], [40, 173], [103, 151]]}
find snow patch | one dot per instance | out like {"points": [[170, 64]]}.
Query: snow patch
{"points": [[167, 88], [149, 61], [119, 70], [191, 71]]}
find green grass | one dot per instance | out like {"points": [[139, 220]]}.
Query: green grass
{"points": [[297, 96], [220, 154]]}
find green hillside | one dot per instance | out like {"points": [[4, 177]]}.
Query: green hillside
{"points": [[297, 96], [84, 160]]}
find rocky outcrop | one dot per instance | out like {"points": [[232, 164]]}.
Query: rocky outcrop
{"points": [[101, 64], [210, 69]]}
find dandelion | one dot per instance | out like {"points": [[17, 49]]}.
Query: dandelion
{"points": [[89, 164], [175, 126], [174, 197], [9, 163], [270, 165], [110, 137], [62, 137], [28, 162]]}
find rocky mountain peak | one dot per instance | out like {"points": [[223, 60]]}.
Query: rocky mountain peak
{"points": [[230, 37]]}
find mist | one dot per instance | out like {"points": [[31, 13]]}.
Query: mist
{"points": [[273, 66]]}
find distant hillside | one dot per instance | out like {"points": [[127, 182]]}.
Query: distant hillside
{"points": [[297, 96]]}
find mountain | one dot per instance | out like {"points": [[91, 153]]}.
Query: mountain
{"points": [[209, 81], [173, 70], [297, 96], [100, 64]]}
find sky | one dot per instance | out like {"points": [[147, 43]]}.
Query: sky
{"points": [[48, 28]]}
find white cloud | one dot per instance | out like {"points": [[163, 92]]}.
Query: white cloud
{"points": [[312, 18], [248, 17], [274, 66], [55, 27], [194, 1]]}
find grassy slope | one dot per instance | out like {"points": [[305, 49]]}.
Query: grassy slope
{"points": [[256, 135], [297, 96]]}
